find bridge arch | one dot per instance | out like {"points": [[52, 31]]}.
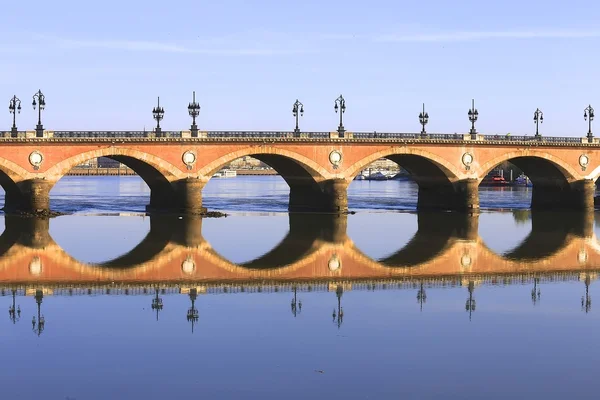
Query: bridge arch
{"points": [[158, 174], [556, 184], [442, 185], [312, 187]]}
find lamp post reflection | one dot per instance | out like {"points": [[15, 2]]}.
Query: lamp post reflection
{"points": [[38, 326], [192, 313], [296, 304], [535, 292], [339, 317], [14, 313], [157, 303], [421, 296], [586, 301], [470, 304]]}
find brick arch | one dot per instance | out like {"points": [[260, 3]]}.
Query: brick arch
{"points": [[156, 168], [270, 155], [10, 175], [544, 166], [422, 163]]}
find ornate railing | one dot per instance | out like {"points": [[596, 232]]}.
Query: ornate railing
{"points": [[311, 135]]}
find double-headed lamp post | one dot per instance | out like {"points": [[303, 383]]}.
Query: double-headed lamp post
{"points": [[423, 119], [297, 111], [473, 115], [588, 115], [538, 117], [340, 105], [194, 111], [41, 104], [14, 107], [158, 114]]}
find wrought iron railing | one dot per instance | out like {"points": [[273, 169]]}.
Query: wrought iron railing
{"points": [[310, 135]]}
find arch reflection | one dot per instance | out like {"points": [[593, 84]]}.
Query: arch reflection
{"points": [[316, 248]]}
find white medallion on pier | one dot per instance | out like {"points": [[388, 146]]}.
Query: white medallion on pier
{"points": [[584, 160], [36, 158], [189, 158], [335, 158], [467, 160]]}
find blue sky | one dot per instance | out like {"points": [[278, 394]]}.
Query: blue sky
{"points": [[102, 64]]}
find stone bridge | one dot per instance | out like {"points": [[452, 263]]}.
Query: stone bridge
{"points": [[446, 246], [318, 168]]}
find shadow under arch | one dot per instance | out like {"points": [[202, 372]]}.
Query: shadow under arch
{"points": [[441, 186], [554, 182], [550, 234], [305, 233], [436, 232], [309, 189], [155, 172]]}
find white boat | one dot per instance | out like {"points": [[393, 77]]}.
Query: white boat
{"points": [[225, 173]]}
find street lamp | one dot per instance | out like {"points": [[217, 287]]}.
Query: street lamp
{"points": [[192, 313], [14, 313], [340, 104], [158, 114], [473, 115], [421, 296], [194, 111], [296, 304], [538, 116], [39, 326], [470, 304], [41, 101], [339, 291], [14, 107], [423, 119], [157, 304], [298, 107], [589, 113]]}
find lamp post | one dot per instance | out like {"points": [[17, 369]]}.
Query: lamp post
{"points": [[298, 108], [14, 107], [473, 115], [41, 103], [421, 296], [538, 117], [158, 114], [14, 313], [340, 105], [470, 304], [423, 119], [588, 115], [339, 292], [39, 326], [296, 304], [157, 303], [192, 313], [194, 111]]}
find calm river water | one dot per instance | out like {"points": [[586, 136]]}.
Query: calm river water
{"points": [[383, 304]]}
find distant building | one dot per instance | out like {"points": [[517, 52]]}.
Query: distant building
{"points": [[105, 162]]}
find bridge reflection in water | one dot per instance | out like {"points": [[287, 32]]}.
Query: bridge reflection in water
{"points": [[315, 255]]}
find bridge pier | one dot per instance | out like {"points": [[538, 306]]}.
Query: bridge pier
{"points": [[576, 196], [33, 196], [188, 196], [330, 196], [460, 196]]}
